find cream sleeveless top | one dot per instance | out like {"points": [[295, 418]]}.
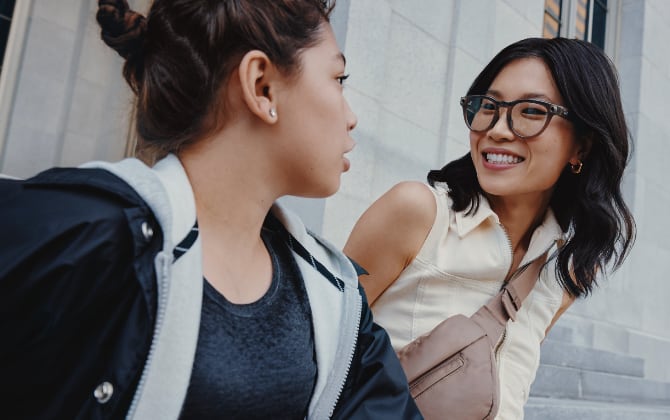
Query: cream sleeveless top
{"points": [[461, 265]]}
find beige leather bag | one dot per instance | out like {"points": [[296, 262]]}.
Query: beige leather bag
{"points": [[452, 370]]}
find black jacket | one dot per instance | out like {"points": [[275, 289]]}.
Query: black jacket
{"points": [[77, 293], [78, 301]]}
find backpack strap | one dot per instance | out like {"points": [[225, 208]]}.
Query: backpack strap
{"points": [[519, 287], [493, 316]]}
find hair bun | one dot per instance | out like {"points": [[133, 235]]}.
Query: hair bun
{"points": [[122, 29]]}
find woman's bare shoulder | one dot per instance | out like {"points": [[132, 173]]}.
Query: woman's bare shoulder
{"points": [[411, 202]]}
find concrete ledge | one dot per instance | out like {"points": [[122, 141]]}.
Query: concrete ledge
{"points": [[608, 387], [564, 354], [560, 333], [570, 383], [557, 409]]}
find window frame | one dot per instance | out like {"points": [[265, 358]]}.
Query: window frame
{"points": [[568, 27], [558, 19]]}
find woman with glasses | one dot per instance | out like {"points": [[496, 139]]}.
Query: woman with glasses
{"points": [[548, 148]]}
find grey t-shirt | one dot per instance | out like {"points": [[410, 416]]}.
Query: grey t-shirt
{"points": [[257, 360]]}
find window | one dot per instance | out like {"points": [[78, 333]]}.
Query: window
{"points": [[581, 19], [552, 18], [6, 11]]}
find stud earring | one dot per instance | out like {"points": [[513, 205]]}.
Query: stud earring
{"points": [[576, 168], [273, 113]]}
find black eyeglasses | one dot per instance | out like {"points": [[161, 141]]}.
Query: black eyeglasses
{"points": [[525, 117]]}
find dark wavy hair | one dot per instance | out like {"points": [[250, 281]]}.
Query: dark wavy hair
{"points": [[180, 55], [589, 207]]}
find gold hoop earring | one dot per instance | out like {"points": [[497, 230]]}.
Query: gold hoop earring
{"points": [[576, 168]]}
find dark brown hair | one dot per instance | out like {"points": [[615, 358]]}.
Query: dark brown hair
{"points": [[589, 206], [179, 57]]}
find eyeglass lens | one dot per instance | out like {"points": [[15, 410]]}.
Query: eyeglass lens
{"points": [[527, 118]]}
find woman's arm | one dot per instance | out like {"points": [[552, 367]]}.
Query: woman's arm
{"points": [[73, 312], [390, 233], [565, 304]]}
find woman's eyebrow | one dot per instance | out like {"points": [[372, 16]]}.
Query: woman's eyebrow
{"points": [[529, 95]]}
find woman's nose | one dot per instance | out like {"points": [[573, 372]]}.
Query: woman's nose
{"points": [[501, 130]]}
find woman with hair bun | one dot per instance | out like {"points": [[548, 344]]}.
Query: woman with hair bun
{"points": [[183, 290], [548, 149]]}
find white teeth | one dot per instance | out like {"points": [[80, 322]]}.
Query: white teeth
{"points": [[500, 158]]}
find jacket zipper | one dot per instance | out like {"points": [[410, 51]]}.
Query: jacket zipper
{"points": [[297, 248], [160, 315], [350, 359]]}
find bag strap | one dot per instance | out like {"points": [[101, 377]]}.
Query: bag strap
{"points": [[493, 316], [519, 286]]}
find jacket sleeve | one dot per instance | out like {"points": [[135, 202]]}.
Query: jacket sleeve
{"points": [[66, 284], [377, 386]]}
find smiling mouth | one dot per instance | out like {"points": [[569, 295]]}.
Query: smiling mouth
{"points": [[502, 159]]}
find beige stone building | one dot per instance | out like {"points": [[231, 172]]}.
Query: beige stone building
{"points": [[63, 102]]}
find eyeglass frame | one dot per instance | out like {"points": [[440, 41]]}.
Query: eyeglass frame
{"points": [[552, 109]]}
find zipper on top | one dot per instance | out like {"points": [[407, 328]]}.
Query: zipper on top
{"points": [[510, 253]]}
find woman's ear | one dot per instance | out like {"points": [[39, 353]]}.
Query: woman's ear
{"points": [[585, 146], [258, 79], [582, 150]]}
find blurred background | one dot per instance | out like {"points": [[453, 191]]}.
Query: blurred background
{"points": [[63, 102]]}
